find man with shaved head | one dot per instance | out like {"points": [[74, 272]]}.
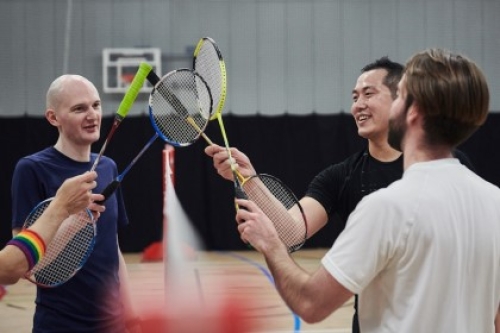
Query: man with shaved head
{"points": [[96, 298]]}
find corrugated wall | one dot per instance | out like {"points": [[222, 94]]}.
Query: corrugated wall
{"points": [[282, 56]]}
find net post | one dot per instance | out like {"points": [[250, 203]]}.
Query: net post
{"points": [[157, 250]]}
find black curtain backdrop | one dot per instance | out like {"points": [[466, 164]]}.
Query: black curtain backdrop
{"points": [[293, 148]]}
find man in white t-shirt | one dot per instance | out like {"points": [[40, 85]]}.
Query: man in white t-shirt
{"points": [[431, 263]]}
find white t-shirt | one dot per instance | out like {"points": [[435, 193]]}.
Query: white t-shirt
{"points": [[424, 254]]}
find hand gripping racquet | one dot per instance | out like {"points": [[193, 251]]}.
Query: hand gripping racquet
{"points": [[268, 192]]}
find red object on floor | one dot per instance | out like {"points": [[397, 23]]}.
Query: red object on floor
{"points": [[227, 315], [3, 291], [153, 252]]}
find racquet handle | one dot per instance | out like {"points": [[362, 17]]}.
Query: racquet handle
{"points": [[133, 90], [125, 105], [109, 190], [239, 194]]}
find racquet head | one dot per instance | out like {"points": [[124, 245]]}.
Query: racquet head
{"points": [[276, 200], [180, 105], [67, 252], [208, 62]]}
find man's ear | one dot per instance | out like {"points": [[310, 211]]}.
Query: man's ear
{"points": [[50, 115], [413, 113]]}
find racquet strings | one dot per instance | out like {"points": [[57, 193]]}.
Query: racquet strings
{"points": [[71, 245], [208, 62], [180, 106], [276, 200]]}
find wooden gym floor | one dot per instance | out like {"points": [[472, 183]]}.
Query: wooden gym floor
{"points": [[246, 271]]}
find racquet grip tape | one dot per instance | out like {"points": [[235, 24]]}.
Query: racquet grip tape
{"points": [[239, 194], [108, 191], [133, 90]]}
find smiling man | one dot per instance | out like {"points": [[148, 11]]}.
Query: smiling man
{"points": [[338, 189], [82, 303], [423, 253]]}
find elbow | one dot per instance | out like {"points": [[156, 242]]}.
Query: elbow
{"points": [[313, 318], [311, 313], [13, 280], [9, 277], [11, 273]]}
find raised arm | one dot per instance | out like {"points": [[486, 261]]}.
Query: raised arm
{"points": [[222, 164], [26, 248]]}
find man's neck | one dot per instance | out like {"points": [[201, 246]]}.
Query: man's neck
{"points": [[383, 152], [416, 152], [78, 153]]}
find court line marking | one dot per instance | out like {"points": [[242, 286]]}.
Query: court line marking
{"points": [[296, 318]]}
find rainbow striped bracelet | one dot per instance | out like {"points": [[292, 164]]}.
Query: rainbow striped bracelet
{"points": [[31, 244]]}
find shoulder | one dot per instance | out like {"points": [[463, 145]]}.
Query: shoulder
{"points": [[397, 198], [105, 160], [35, 158], [354, 159], [106, 168], [348, 164], [463, 158]]}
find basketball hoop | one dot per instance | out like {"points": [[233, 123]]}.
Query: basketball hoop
{"points": [[127, 79]]}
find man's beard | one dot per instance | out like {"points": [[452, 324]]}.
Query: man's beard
{"points": [[397, 130]]}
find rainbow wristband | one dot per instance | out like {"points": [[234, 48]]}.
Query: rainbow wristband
{"points": [[31, 244]]}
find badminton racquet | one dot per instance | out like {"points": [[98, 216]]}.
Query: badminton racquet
{"points": [[270, 194], [74, 240], [274, 198], [282, 207], [209, 63], [178, 96], [163, 95], [68, 250], [125, 105]]}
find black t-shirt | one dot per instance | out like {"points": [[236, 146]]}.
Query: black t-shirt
{"points": [[340, 187]]}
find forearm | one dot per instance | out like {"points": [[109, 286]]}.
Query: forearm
{"points": [[14, 262], [291, 281], [49, 222], [312, 296], [130, 314]]}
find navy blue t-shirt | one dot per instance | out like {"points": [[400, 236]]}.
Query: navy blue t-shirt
{"points": [[89, 301]]}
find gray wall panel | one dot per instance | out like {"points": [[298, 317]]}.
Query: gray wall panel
{"points": [[328, 56], [241, 60], [292, 56], [271, 65], [490, 41]]}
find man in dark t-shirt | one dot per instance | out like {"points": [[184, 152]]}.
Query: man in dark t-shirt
{"points": [[96, 298]]}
